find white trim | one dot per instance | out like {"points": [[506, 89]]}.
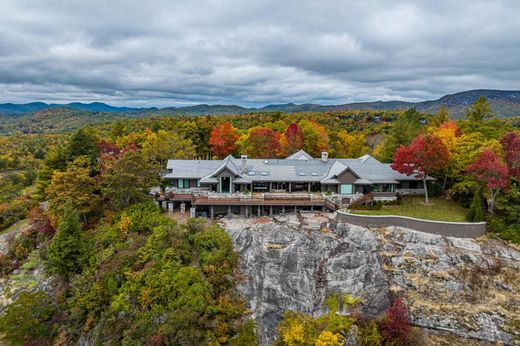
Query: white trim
{"points": [[413, 218]]}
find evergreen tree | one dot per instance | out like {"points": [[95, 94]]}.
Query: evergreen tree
{"points": [[83, 142], [67, 248], [476, 209]]}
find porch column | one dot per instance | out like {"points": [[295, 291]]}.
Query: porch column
{"points": [[258, 211], [270, 186], [283, 209], [295, 209], [271, 211], [212, 213], [247, 211], [229, 210], [309, 186], [290, 187]]}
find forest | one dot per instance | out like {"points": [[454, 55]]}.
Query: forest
{"points": [[126, 273]]}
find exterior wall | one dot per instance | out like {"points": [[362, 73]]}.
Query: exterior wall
{"points": [[347, 177], [449, 229], [407, 192]]}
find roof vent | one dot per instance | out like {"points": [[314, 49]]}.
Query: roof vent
{"points": [[301, 174], [324, 156], [266, 162], [314, 174]]}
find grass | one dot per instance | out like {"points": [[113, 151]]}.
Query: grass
{"points": [[439, 209]]}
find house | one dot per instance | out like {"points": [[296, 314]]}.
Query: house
{"points": [[288, 180]]}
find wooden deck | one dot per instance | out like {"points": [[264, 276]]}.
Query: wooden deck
{"points": [[260, 202]]}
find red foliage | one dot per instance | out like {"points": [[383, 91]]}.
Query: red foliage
{"points": [[263, 142], [223, 140], [425, 155], [511, 144], [396, 323], [293, 139], [157, 340], [109, 149], [41, 222], [489, 169]]}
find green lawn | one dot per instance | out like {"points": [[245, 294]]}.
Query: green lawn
{"points": [[439, 209]]}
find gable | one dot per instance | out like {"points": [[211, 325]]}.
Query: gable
{"points": [[347, 177], [225, 172]]}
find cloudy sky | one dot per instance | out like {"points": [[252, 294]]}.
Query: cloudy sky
{"points": [[171, 52]]}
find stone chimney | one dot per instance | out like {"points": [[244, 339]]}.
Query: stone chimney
{"points": [[243, 162], [324, 156]]}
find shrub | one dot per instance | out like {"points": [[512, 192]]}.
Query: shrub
{"points": [[6, 265], [476, 208], [395, 325], [369, 334], [28, 320]]}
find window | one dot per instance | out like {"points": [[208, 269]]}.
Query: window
{"points": [[251, 173], [314, 174], [183, 183], [346, 189], [383, 188], [301, 174], [264, 173]]}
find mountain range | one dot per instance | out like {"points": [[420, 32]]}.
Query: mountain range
{"points": [[504, 103]]}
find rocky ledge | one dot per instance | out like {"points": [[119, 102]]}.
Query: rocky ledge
{"points": [[459, 288]]}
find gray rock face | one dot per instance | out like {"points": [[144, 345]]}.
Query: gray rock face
{"points": [[451, 285]]}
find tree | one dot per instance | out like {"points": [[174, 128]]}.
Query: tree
{"points": [[292, 139], [162, 145], [223, 140], [511, 144], [77, 186], [448, 133], [261, 142], [55, 160], [476, 208], [316, 137], [403, 131], [127, 178], [28, 320], [67, 248], [424, 156], [442, 116], [83, 142], [479, 111], [489, 170], [347, 145]]}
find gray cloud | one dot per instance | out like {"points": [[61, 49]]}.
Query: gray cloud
{"points": [[254, 52]]}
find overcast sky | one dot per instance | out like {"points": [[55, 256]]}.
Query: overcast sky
{"points": [[164, 53]]}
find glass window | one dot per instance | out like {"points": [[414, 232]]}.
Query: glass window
{"points": [[346, 189], [383, 188]]}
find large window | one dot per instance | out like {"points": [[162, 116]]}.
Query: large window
{"points": [[346, 189], [183, 183], [383, 188], [225, 184]]}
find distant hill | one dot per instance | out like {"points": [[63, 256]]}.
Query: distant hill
{"points": [[503, 102], [17, 109]]}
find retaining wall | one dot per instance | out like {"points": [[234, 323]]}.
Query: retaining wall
{"points": [[449, 229]]}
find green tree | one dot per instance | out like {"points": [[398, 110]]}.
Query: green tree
{"points": [[55, 160], [28, 320], [403, 131], [162, 145], [476, 208], [67, 248], [83, 142], [440, 117]]}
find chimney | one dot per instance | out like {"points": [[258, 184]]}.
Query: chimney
{"points": [[324, 156], [243, 161]]}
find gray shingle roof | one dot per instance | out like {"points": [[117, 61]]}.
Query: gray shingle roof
{"points": [[366, 167]]}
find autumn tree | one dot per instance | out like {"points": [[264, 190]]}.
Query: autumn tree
{"points": [[492, 172], [316, 137], [424, 156], [223, 139], [511, 145], [162, 145], [292, 140], [77, 186], [350, 145], [55, 160], [396, 323], [67, 249], [449, 134], [127, 178], [261, 142]]}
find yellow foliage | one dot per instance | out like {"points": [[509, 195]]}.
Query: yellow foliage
{"points": [[327, 338], [294, 335], [124, 226]]}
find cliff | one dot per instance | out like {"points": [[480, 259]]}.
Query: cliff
{"points": [[457, 288]]}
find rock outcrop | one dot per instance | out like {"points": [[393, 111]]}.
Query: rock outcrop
{"points": [[461, 287]]}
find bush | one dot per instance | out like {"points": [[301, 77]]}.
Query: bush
{"points": [[23, 244], [395, 325], [28, 320], [6, 265], [377, 205], [369, 334], [476, 208], [15, 211]]}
